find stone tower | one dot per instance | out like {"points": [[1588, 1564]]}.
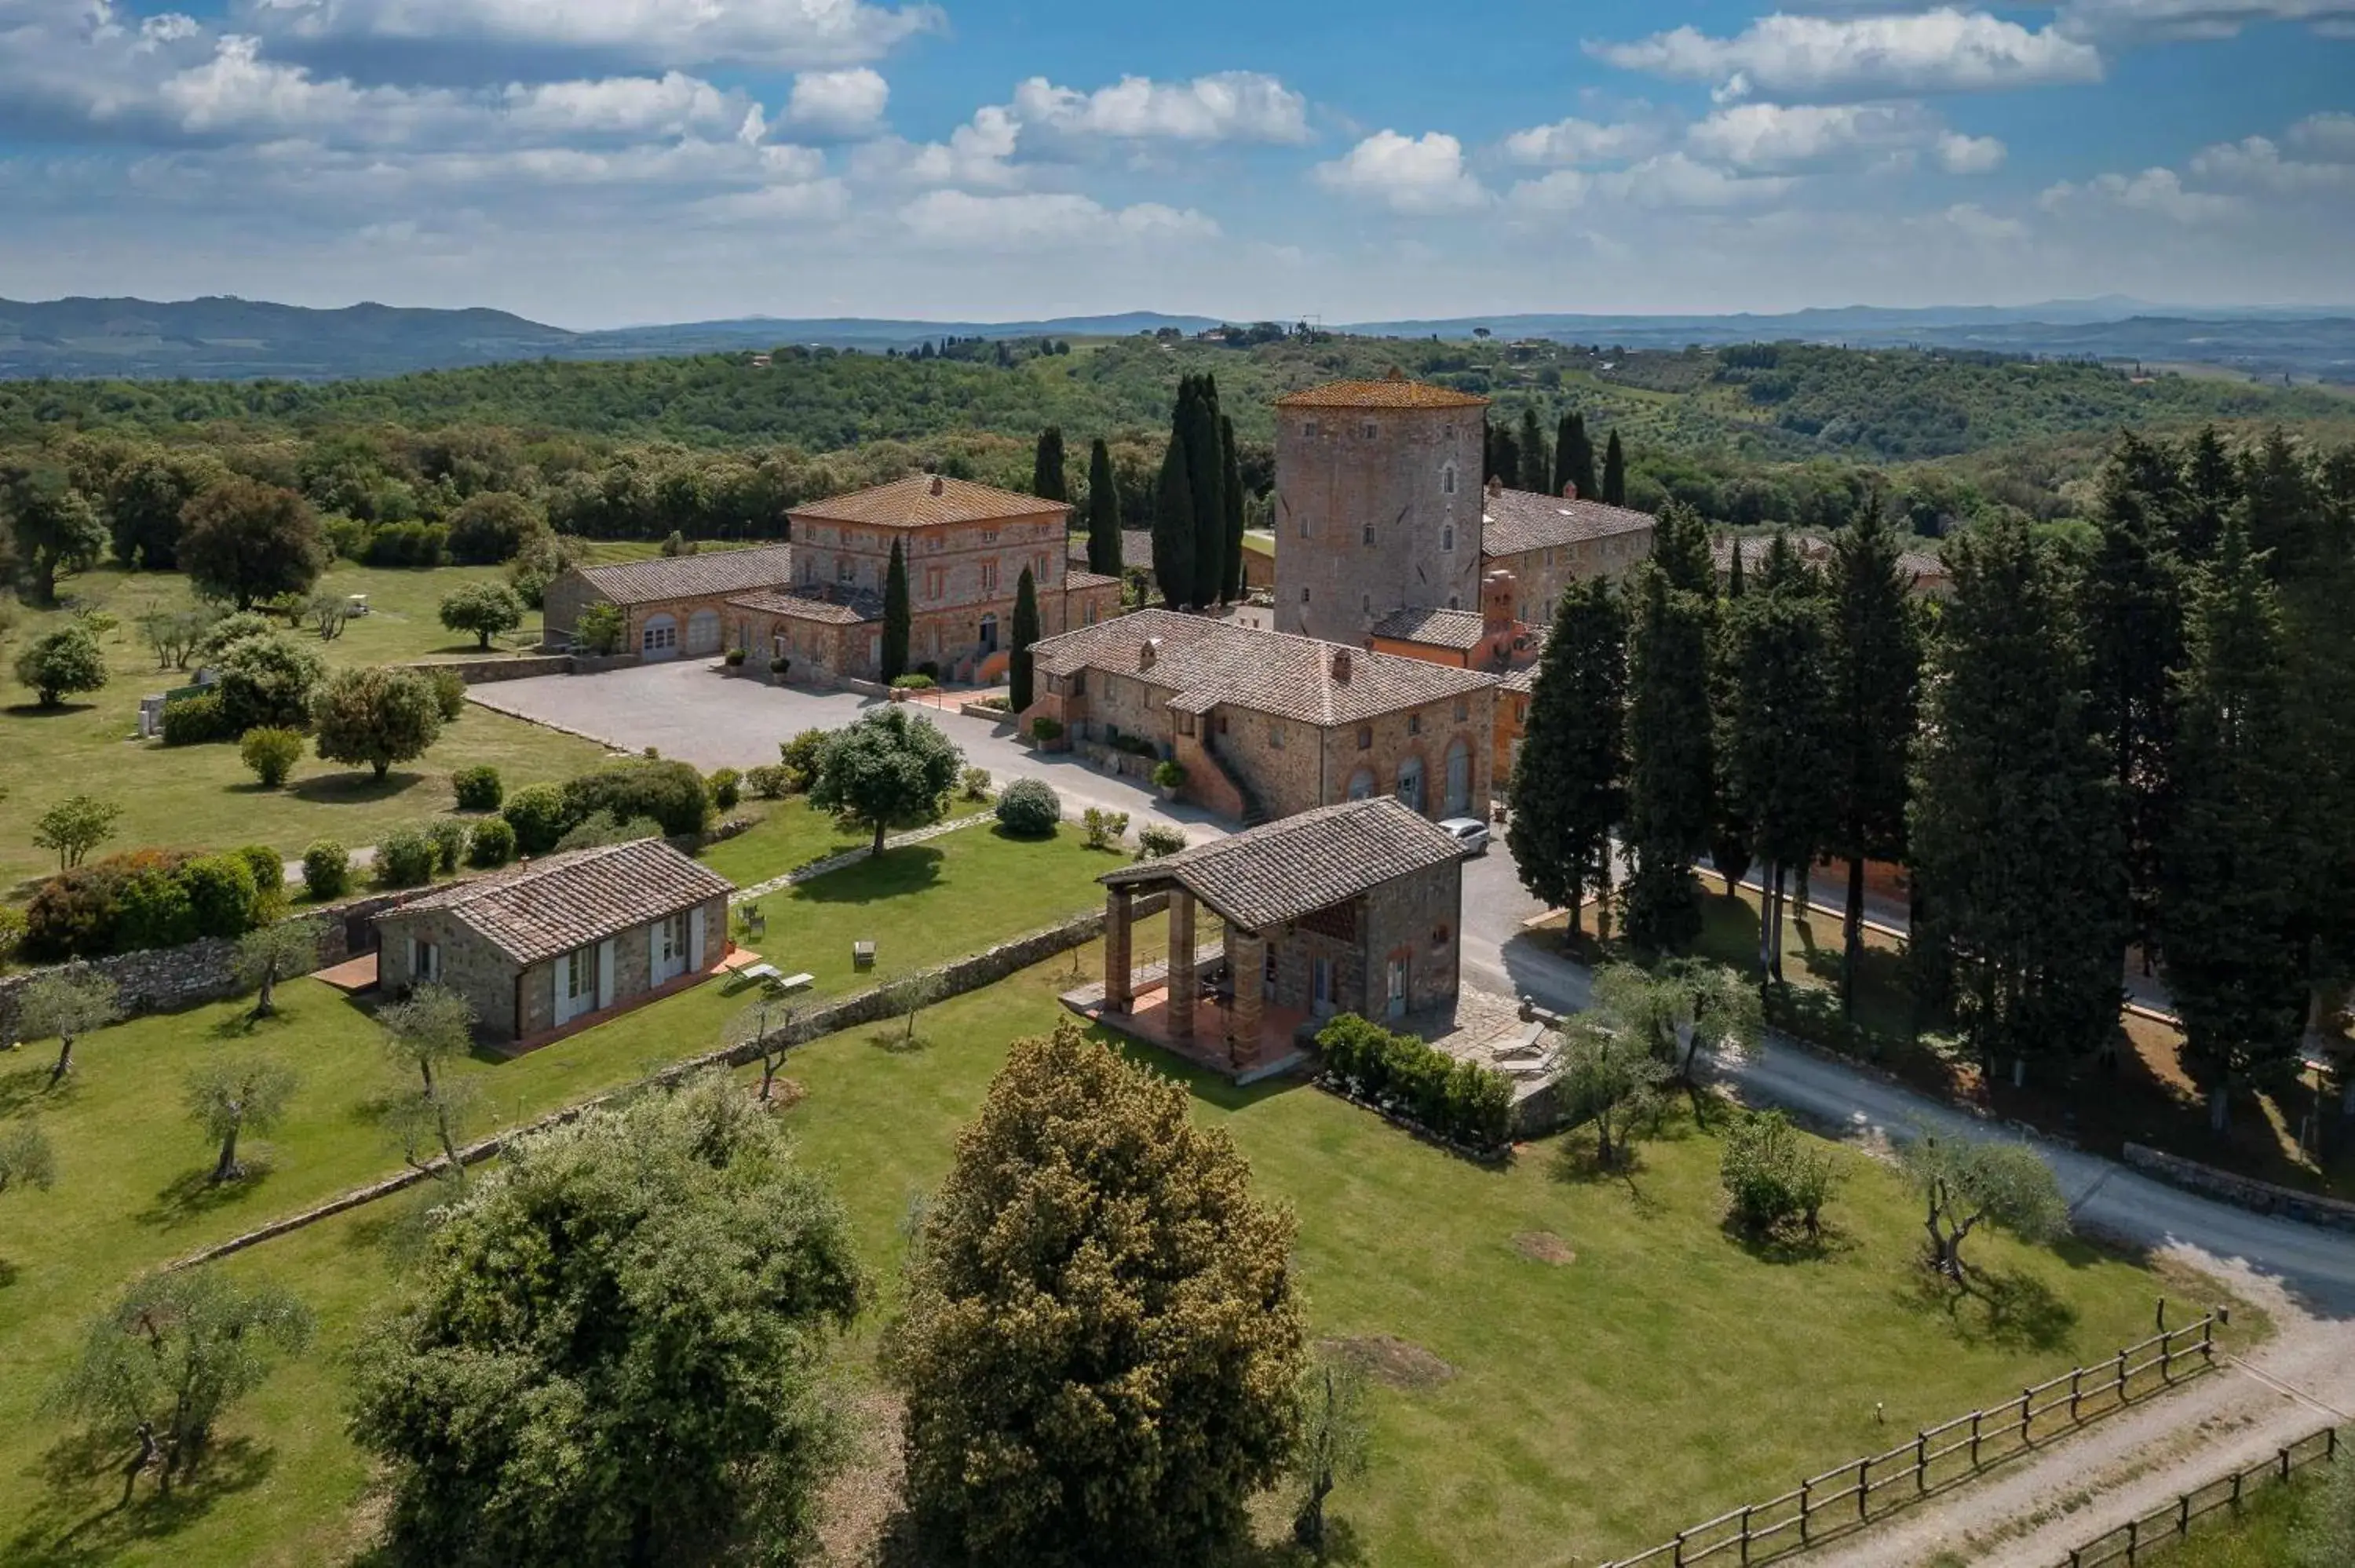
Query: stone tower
{"points": [[1377, 503]]}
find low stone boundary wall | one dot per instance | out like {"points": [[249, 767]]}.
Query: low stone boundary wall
{"points": [[519, 667], [870, 1006], [2242, 1191], [165, 979]]}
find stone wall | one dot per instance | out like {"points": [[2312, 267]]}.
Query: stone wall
{"points": [[1344, 473], [1539, 577], [2242, 1191], [163, 979], [522, 667], [1415, 917]]}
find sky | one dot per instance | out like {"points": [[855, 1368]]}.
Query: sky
{"points": [[600, 163]]}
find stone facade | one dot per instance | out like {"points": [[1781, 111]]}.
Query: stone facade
{"points": [[1511, 727], [1540, 575], [513, 1001], [1377, 506], [672, 607], [1408, 924]]}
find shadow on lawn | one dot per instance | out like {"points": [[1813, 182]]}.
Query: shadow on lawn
{"points": [[357, 788], [197, 1195], [29, 1084], [2010, 1308], [56, 711], [84, 1521], [910, 869]]}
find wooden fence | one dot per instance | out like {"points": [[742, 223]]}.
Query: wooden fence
{"points": [[2137, 1538], [1850, 1494]]}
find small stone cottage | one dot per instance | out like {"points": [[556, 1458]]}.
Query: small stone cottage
{"points": [[547, 943]]}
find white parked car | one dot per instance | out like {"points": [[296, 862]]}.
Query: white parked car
{"points": [[1469, 831]]}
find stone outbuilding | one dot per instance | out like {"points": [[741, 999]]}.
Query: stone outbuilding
{"points": [[672, 606], [552, 943], [1268, 725], [1347, 908], [1548, 542]]}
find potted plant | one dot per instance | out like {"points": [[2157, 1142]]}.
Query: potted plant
{"points": [[733, 657], [1169, 777], [778, 669]]}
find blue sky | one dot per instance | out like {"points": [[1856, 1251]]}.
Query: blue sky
{"points": [[598, 162]]}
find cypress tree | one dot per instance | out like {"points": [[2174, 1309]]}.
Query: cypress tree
{"points": [[1026, 633], [1562, 443], [1779, 729], [2321, 655], [1533, 459], [1204, 465], [2014, 820], [896, 623], [1876, 682], [1173, 508], [2211, 487], [1103, 512], [2230, 908], [2132, 604], [1574, 460], [1047, 479], [1504, 458], [1668, 759], [1680, 548], [1569, 787], [1729, 834], [1615, 472], [1231, 524]]}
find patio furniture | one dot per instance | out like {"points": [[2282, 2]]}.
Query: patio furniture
{"points": [[764, 973], [792, 983], [862, 955]]}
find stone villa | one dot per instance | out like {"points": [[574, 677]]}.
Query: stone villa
{"points": [[1267, 723], [549, 943], [1545, 543], [818, 601]]}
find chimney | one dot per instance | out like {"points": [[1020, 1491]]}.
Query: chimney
{"points": [[1496, 484], [1569, 490], [936, 484], [1148, 650], [1341, 664]]}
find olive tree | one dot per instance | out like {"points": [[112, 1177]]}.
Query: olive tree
{"points": [[26, 1158], [1334, 1438], [75, 826], [65, 1005], [1965, 1182], [280, 950], [232, 1095], [1612, 1078], [59, 663], [434, 1025]]}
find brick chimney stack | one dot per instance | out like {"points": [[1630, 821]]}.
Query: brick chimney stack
{"points": [[1569, 490], [1341, 664], [936, 484], [1496, 484]]}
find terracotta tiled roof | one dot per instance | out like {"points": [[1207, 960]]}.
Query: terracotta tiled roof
{"points": [[926, 498], [1135, 547], [544, 907], [1458, 629], [1206, 663], [692, 576], [1813, 548], [796, 606], [1514, 521], [1392, 391], [1088, 580], [1300, 864], [1521, 682]]}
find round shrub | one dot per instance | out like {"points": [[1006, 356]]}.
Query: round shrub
{"points": [[726, 786], [1029, 809], [494, 843], [229, 631], [1046, 731], [491, 526], [62, 662], [478, 788], [800, 757], [151, 909], [268, 681], [781, 666], [1156, 840], [771, 781], [194, 721], [918, 683], [406, 857], [449, 843], [449, 692], [733, 657], [268, 867], [222, 899], [536, 815], [1169, 775], [327, 869], [973, 783], [270, 753], [671, 792]]}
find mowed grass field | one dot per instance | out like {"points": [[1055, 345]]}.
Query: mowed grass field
{"points": [[202, 797], [1538, 1411]]}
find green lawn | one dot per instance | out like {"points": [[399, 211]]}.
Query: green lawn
{"points": [[2260, 1536], [1586, 1409], [789, 835], [201, 795]]}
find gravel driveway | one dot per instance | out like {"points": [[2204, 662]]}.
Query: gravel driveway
{"points": [[690, 710]]}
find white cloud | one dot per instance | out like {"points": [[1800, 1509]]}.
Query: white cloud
{"points": [[978, 152], [1778, 136], [1677, 180], [1961, 154], [670, 105], [1942, 50], [806, 201], [2199, 19], [1564, 190], [1415, 175], [2330, 136], [2255, 163], [847, 102], [653, 32], [955, 220], [1230, 106], [1975, 223], [2157, 191], [1569, 142]]}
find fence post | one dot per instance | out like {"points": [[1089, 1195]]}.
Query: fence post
{"points": [[2167, 1356], [2026, 1399], [1975, 1439], [2122, 1377], [1863, 1487], [1921, 1463], [2236, 1491], [2330, 1442], [1679, 1558], [1745, 1535], [1805, 1502], [2076, 1376], [2134, 1538], [2285, 1464], [2208, 1338]]}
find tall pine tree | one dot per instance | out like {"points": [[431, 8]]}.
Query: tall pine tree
{"points": [[1103, 512], [1668, 757], [897, 621], [1047, 479], [2131, 602], [2211, 487], [1875, 656], [1231, 519], [1569, 787], [1778, 728], [1026, 633], [1535, 462], [1173, 507], [2014, 820], [2230, 909], [1615, 472]]}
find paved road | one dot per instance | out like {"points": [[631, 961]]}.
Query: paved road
{"points": [[688, 710]]}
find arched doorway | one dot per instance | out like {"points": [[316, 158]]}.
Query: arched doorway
{"points": [[1410, 783], [660, 639], [703, 632], [988, 634], [1361, 784], [1459, 779]]}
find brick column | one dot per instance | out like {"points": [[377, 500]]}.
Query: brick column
{"points": [[1119, 988], [1181, 964], [1249, 964]]}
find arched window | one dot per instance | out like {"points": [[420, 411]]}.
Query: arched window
{"points": [[1447, 537], [1361, 784], [1447, 477], [1410, 783]]}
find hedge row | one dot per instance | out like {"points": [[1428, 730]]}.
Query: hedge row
{"points": [[1460, 1101], [152, 898]]}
